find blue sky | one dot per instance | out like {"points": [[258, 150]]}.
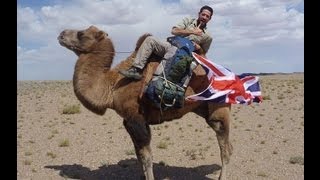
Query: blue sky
{"points": [[248, 35]]}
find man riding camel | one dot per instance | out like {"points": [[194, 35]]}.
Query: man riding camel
{"points": [[191, 28]]}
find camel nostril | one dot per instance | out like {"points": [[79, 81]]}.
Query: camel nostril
{"points": [[61, 36]]}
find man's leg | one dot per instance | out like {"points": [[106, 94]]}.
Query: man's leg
{"points": [[150, 45]]}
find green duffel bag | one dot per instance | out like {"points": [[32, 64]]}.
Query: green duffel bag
{"points": [[169, 94]]}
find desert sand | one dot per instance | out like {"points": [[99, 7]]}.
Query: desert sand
{"points": [[267, 138]]}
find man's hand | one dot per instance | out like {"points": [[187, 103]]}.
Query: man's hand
{"points": [[198, 49], [197, 31], [196, 46]]}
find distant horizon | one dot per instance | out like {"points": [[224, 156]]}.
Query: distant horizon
{"points": [[258, 74]]}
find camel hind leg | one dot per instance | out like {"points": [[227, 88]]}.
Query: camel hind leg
{"points": [[141, 136], [219, 121]]}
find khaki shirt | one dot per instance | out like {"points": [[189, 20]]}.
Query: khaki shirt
{"points": [[204, 40]]}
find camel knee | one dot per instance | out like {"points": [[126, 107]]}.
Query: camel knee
{"points": [[219, 118], [217, 125], [145, 156]]}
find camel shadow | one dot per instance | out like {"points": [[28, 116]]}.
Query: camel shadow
{"points": [[130, 170]]}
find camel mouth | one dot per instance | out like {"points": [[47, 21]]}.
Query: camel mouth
{"points": [[63, 39], [63, 42]]}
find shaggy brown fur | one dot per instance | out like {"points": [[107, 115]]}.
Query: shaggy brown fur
{"points": [[99, 87]]}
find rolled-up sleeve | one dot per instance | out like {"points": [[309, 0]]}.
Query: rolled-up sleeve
{"points": [[183, 24]]}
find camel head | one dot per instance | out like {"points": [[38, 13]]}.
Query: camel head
{"points": [[82, 41]]}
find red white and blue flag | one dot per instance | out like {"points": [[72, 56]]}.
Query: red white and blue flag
{"points": [[227, 87]]}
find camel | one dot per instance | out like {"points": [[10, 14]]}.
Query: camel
{"points": [[99, 86]]}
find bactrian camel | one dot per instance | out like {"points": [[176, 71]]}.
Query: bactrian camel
{"points": [[98, 87]]}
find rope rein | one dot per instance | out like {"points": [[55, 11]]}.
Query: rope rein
{"points": [[115, 52], [123, 52]]}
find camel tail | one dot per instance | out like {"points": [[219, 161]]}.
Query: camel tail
{"points": [[141, 39]]}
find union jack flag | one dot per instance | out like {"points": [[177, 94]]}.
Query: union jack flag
{"points": [[225, 86]]}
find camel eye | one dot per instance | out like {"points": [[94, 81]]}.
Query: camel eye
{"points": [[79, 34]]}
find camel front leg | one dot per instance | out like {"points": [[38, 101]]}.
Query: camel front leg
{"points": [[219, 121], [141, 136]]}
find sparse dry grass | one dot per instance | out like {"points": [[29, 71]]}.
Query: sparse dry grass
{"points": [[51, 154], [297, 160], [130, 152], [162, 145], [64, 143], [71, 109]]}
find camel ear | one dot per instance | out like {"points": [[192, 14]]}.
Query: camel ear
{"points": [[100, 35]]}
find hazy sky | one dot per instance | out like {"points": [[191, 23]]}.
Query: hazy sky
{"points": [[248, 35]]}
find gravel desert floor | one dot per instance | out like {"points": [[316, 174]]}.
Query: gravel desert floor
{"points": [[57, 138]]}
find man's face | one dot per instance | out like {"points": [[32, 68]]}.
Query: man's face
{"points": [[204, 16]]}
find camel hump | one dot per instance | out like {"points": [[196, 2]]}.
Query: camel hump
{"points": [[141, 39]]}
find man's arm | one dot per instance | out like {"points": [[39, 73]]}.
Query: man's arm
{"points": [[186, 32]]}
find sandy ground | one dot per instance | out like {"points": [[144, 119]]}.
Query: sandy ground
{"points": [[268, 138]]}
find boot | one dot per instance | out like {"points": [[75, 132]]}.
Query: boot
{"points": [[132, 72]]}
